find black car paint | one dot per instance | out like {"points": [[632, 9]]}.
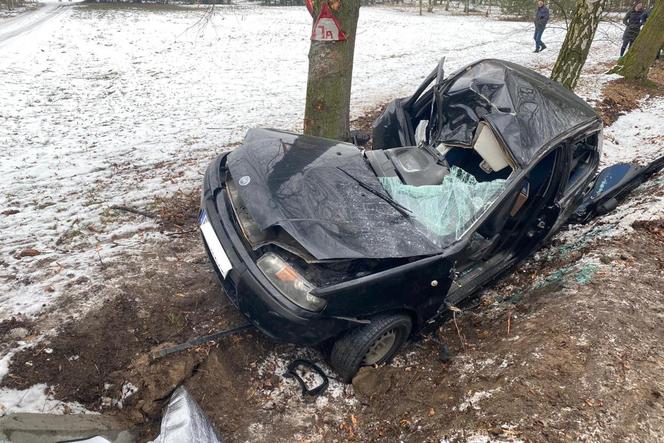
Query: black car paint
{"points": [[312, 188], [279, 318], [611, 185], [420, 286], [526, 110], [246, 286]]}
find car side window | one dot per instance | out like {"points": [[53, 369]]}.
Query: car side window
{"points": [[583, 157]]}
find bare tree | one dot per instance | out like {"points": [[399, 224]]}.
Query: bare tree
{"points": [[327, 108], [580, 34]]}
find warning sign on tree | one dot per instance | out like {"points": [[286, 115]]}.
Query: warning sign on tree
{"points": [[327, 27]]}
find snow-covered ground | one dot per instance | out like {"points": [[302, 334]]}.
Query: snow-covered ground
{"points": [[7, 14], [102, 106]]}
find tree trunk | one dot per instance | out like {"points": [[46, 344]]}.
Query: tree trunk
{"points": [[327, 108], [580, 34], [641, 55]]}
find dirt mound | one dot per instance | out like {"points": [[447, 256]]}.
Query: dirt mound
{"points": [[165, 297], [568, 354], [654, 227], [178, 210]]}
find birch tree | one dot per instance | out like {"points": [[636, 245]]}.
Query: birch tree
{"points": [[327, 109], [576, 46]]}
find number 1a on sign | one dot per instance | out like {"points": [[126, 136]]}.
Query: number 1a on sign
{"points": [[327, 27]]}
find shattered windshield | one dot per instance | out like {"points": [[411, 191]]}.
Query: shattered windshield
{"points": [[446, 210]]}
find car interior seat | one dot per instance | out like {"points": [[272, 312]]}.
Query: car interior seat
{"points": [[486, 144], [411, 164]]}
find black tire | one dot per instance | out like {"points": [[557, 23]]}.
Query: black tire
{"points": [[349, 351]]}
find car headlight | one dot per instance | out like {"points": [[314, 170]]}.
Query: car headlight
{"points": [[289, 282]]}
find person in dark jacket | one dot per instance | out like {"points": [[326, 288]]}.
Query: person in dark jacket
{"points": [[633, 21], [541, 19]]}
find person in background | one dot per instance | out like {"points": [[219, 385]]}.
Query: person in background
{"points": [[633, 21], [541, 19]]}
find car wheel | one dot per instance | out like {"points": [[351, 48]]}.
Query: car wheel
{"points": [[370, 344]]}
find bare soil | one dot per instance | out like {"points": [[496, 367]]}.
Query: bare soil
{"points": [[621, 96]]}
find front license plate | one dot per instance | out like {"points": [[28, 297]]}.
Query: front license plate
{"points": [[217, 251]]}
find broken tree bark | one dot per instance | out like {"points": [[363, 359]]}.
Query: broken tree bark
{"points": [[580, 34], [641, 55], [327, 108]]}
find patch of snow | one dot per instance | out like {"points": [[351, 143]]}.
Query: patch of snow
{"points": [[277, 363], [128, 390], [36, 398], [136, 103], [471, 400], [479, 436], [4, 363]]}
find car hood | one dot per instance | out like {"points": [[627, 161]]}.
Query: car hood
{"points": [[316, 190]]}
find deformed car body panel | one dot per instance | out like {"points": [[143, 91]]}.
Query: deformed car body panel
{"points": [[527, 110], [612, 184], [276, 316], [309, 187], [324, 197]]}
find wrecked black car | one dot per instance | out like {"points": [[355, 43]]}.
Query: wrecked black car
{"points": [[317, 241]]}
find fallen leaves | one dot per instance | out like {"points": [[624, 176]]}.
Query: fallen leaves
{"points": [[28, 252]]}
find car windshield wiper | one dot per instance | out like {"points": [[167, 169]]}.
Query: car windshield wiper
{"points": [[402, 209]]}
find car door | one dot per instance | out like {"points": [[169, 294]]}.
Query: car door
{"points": [[582, 158], [513, 230]]}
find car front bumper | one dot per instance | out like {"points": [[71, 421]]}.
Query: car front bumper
{"points": [[247, 287]]}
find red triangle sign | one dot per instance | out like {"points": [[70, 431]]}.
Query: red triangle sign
{"points": [[327, 28]]}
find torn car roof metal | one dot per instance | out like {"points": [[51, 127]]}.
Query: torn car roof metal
{"points": [[526, 109]]}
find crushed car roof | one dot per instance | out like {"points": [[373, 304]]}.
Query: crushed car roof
{"points": [[527, 109]]}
